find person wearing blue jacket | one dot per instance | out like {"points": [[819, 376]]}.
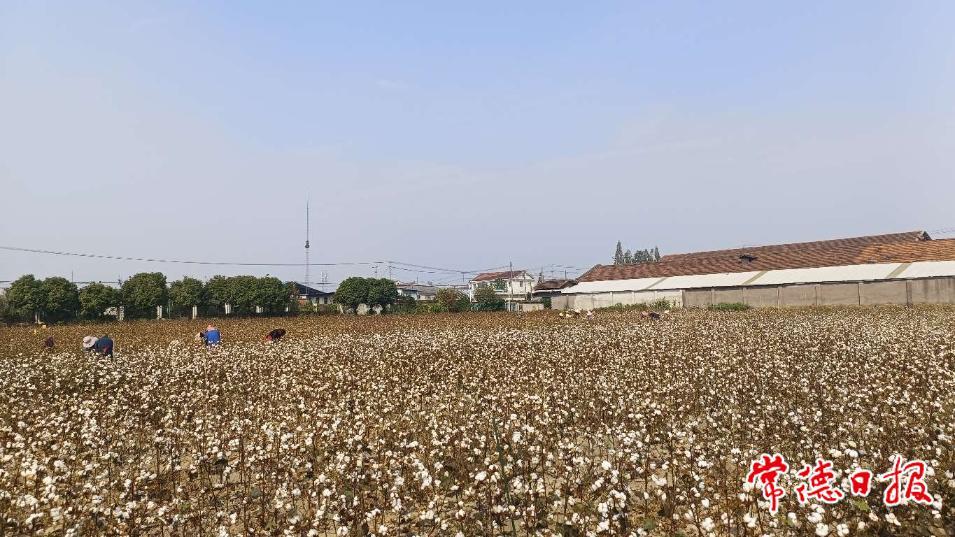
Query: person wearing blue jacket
{"points": [[213, 336], [104, 346]]}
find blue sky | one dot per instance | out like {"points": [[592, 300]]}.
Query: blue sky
{"points": [[465, 136]]}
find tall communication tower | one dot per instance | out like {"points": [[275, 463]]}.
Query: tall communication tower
{"points": [[306, 243]]}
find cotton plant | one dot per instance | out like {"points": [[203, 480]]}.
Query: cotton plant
{"points": [[483, 424]]}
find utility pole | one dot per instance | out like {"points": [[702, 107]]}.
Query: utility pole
{"points": [[306, 241], [510, 283]]}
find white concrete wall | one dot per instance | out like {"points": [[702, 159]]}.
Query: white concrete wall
{"points": [[913, 291], [587, 301]]}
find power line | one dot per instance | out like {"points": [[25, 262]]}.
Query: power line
{"points": [[397, 264], [178, 261], [390, 264], [438, 269], [441, 271]]}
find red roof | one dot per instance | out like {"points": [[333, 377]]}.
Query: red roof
{"points": [[892, 248], [505, 275]]}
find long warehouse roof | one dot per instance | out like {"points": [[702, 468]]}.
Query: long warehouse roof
{"points": [[893, 256], [892, 248], [845, 273]]}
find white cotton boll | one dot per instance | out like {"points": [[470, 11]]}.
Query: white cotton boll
{"points": [[749, 520], [822, 530]]}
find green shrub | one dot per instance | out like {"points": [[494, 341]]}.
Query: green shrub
{"points": [[660, 304], [7, 315], [95, 298], [623, 307], [452, 300], [356, 290], [729, 306], [486, 299], [143, 292], [404, 304]]}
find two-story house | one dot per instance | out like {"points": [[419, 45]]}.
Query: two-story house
{"points": [[511, 285]]}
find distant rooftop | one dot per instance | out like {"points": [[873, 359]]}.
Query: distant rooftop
{"points": [[553, 285], [304, 290], [504, 275], [905, 247], [419, 287]]}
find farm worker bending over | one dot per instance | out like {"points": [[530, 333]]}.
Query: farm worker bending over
{"points": [[88, 343], [275, 335], [104, 346], [213, 337]]}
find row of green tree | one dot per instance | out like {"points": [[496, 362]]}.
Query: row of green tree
{"points": [[628, 257], [353, 292], [57, 299]]}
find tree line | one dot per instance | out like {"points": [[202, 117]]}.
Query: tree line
{"points": [[57, 299], [628, 257], [382, 293]]}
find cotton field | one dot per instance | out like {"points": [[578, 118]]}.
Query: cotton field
{"points": [[477, 424]]}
